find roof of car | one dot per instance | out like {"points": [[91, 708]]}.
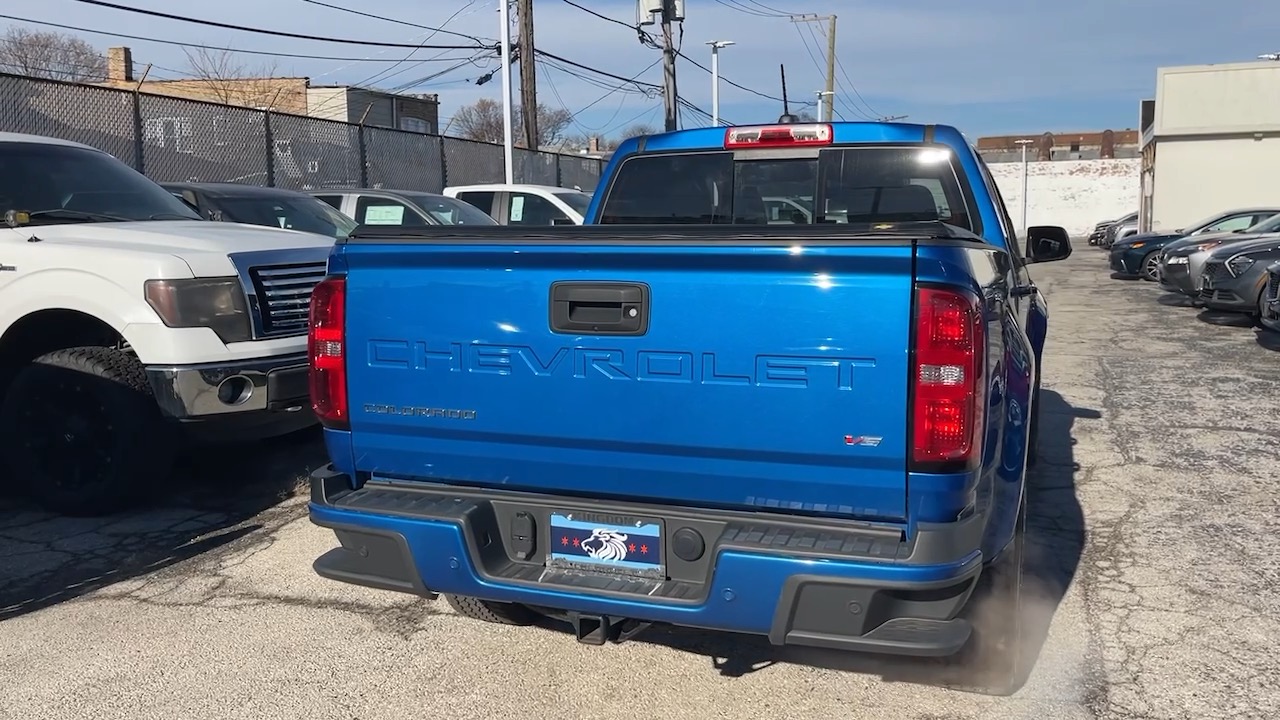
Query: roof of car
{"points": [[517, 187], [370, 191], [42, 139], [219, 189]]}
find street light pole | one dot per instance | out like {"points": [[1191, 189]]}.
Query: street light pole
{"points": [[715, 77], [1024, 143], [822, 96], [508, 145]]}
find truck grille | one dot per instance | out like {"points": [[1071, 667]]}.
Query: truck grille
{"points": [[284, 295]]}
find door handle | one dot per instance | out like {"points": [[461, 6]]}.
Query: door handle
{"points": [[600, 308]]}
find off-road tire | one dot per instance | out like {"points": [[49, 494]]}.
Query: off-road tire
{"points": [[1033, 433], [82, 433], [492, 612], [993, 662]]}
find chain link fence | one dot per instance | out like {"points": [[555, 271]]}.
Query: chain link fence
{"points": [[173, 139]]}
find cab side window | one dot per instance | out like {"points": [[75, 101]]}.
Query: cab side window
{"points": [[527, 209], [384, 211]]}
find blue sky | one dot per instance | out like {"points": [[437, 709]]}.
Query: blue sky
{"points": [[987, 66]]}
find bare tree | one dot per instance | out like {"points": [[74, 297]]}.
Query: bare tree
{"points": [[53, 55], [482, 120], [230, 81]]}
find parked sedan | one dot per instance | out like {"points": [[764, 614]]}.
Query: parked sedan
{"points": [[1136, 256], [403, 207], [1270, 306], [1182, 260], [269, 206], [1100, 230], [1235, 275]]}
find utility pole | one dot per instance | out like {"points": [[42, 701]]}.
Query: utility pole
{"points": [[822, 96], [830, 94], [504, 17], [528, 76], [670, 98]]}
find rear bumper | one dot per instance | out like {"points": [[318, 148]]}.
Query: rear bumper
{"points": [[798, 583]]}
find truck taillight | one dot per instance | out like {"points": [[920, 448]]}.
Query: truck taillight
{"points": [[769, 136], [326, 349], [949, 380]]}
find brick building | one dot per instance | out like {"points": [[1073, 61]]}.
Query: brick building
{"points": [[1105, 144], [291, 95]]}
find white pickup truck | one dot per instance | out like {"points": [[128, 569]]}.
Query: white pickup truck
{"points": [[130, 326]]}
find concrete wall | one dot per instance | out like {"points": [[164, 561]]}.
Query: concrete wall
{"points": [[1075, 194], [1198, 177]]}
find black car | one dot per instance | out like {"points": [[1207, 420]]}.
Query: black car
{"points": [[269, 206], [1235, 276]]}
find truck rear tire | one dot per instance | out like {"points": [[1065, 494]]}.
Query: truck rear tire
{"points": [[83, 435], [1033, 434], [492, 612], [993, 662]]}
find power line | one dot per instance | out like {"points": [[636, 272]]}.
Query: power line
{"points": [[144, 38], [747, 10], [261, 31], [727, 81], [405, 22]]}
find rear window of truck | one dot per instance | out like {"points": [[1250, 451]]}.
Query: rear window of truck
{"points": [[862, 185]]}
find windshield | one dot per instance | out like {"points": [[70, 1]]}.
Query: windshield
{"points": [[60, 183], [579, 201], [864, 185], [449, 211], [303, 213]]}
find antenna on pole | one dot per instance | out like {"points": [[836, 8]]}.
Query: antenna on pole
{"points": [[786, 117]]}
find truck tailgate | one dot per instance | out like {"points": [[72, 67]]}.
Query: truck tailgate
{"points": [[761, 377]]}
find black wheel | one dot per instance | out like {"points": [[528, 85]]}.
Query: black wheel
{"points": [[489, 611], [1150, 266], [83, 435], [1033, 433], [993, 661]]}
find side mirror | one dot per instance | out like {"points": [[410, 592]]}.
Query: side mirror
{"points": [[1046, 243]]}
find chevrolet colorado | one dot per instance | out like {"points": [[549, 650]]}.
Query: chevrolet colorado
{"points": [[811, 426]]}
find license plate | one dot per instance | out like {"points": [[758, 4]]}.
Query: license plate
{"points": [[579, 541]]}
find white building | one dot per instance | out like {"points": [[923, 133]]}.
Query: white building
{"points": [[1210, 142]]}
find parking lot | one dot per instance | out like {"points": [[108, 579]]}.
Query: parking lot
{"points": [[1154, 559]]}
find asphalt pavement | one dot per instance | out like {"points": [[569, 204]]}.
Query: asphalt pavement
{"points": [[1152, 577]]}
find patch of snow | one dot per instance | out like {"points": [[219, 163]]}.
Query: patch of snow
{"points": [[1076, 194]]}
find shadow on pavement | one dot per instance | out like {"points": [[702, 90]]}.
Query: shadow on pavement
{"points": [[1222, 318], [1121, 276], [46, 559], [1268, 339], [1176, 299], [1054, 545]]}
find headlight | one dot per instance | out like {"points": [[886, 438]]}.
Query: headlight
{"points": [[1178, 260], [214, 303], [1238, 264]]}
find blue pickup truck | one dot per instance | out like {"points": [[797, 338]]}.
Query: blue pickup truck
{"points": [[782, 382]]}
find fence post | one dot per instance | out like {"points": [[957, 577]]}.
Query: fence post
{"points": [[139, 157], [444, 164], [271, 148], [364, 156]]}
